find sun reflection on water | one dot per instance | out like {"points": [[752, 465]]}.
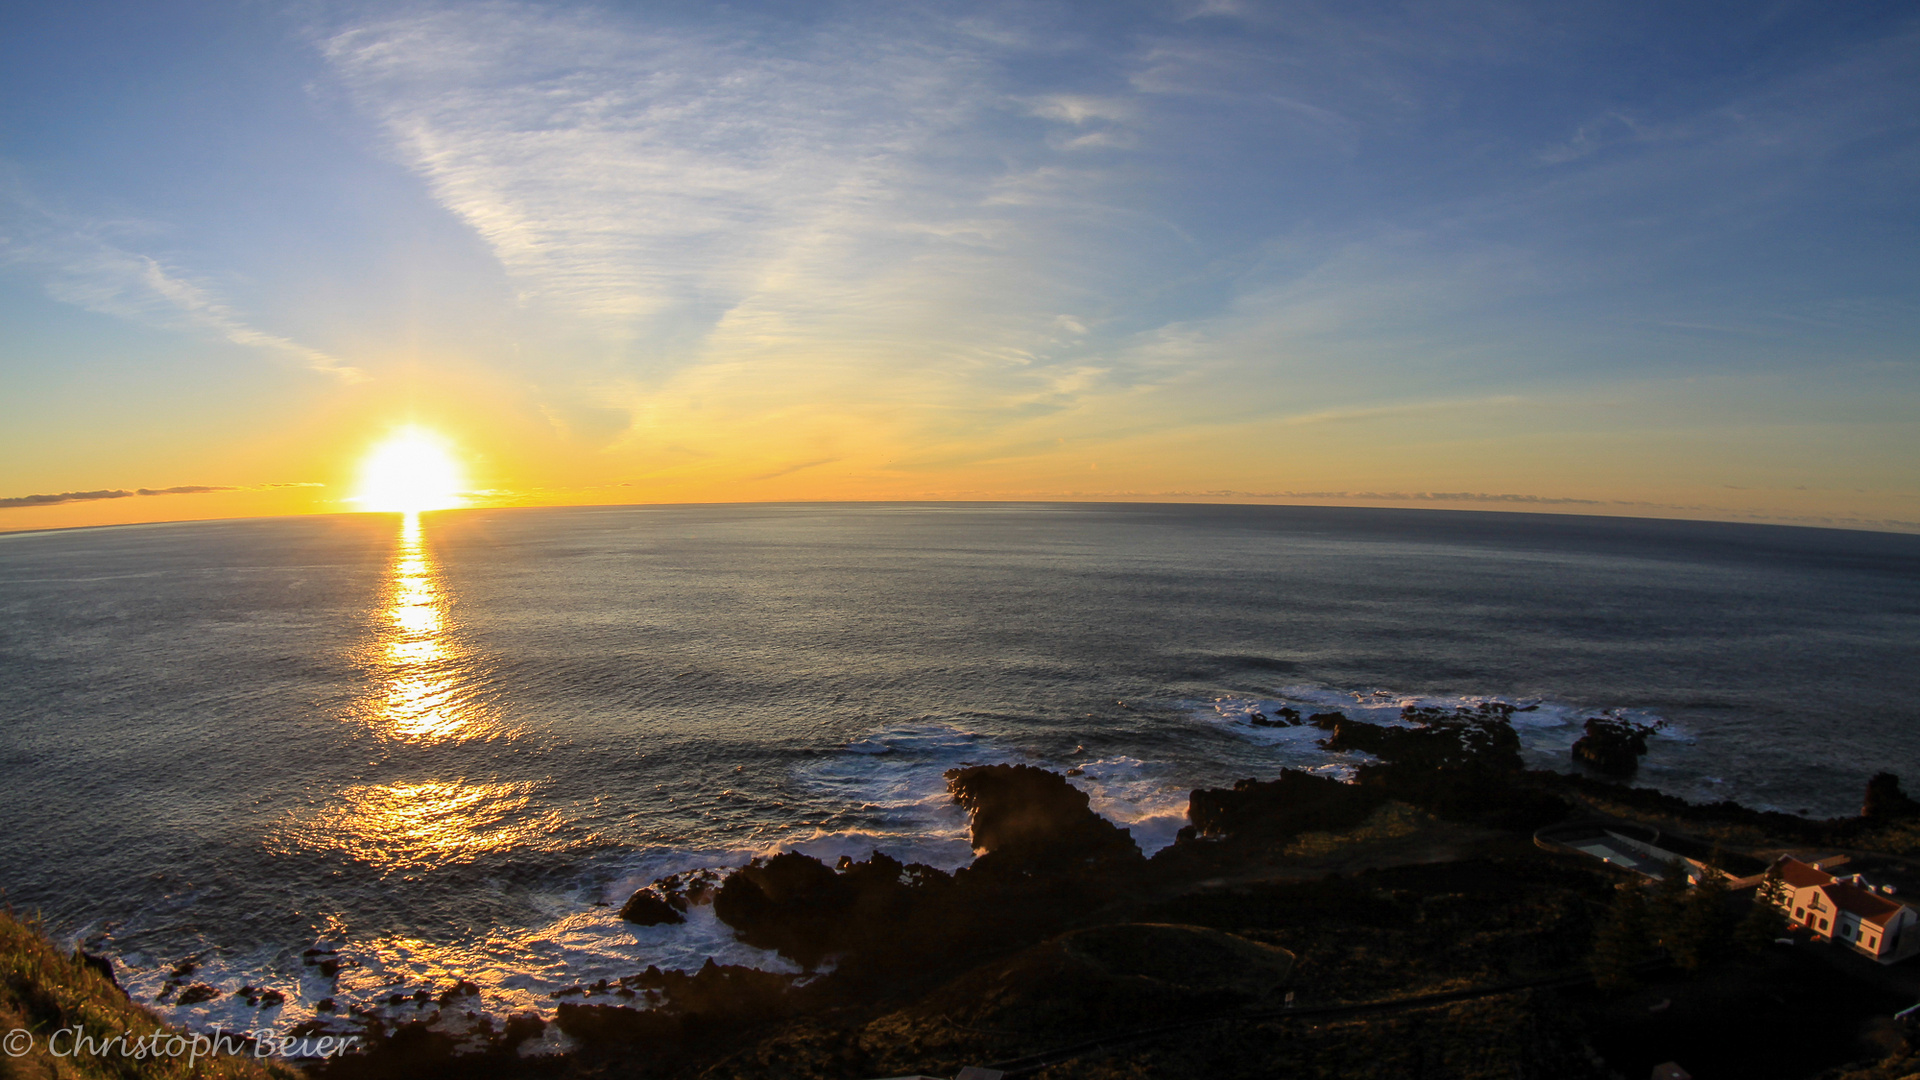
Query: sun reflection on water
{"points": [[422, 695], [424, 825]]}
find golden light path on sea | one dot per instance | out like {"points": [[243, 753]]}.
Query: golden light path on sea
{"points": [[419, 694], [423, 700], [408, 827]]}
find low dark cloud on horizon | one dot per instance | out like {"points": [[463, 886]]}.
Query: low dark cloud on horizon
{"points": [[108, 493]]}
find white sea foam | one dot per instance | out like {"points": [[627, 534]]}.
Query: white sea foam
{"points": [[1547, 728], [515, 971], [894, 779], [1143, 797], [897, 777], [894, 776]]}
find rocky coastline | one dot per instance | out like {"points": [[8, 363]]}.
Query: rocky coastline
{"points": [[1401, 924]]}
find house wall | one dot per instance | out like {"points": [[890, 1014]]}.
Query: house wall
{"points": [[1897, 941]]}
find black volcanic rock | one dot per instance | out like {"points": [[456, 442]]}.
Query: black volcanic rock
{"points": [[197, 993], [105, 966], [791, 902], [648, 908], [1294, 802], [1046, 858], [1886, 800], [1022, 816], [1478, 738], [1612, 747], [798, 906]]}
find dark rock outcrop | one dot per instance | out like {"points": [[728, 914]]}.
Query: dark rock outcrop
{"points": [[1885, 800], [798, 906], [1460, 764], [791, 902], [197, 993], [1025, 817], [1294, 802], [1045, 859], [1478, 738], [687, 888], [105, 966], [713, 1003], [1107, 977], [1612, 747], [648, 908]]}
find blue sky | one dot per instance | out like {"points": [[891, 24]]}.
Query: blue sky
{"points": [[1588, 257]]}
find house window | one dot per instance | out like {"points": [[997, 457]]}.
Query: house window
{"points": [[1823, 924], [1799, 913]]}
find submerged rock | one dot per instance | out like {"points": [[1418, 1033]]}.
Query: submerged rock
{"points": [[197, 993], [1282, 717]]}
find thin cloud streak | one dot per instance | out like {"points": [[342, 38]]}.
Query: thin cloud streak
{"points": [[871, 211], [92, 496], [123, 493], [791, 469], [78, 267]]}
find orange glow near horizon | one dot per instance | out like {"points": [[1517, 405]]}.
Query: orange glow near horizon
{"points": [[410, 472]]}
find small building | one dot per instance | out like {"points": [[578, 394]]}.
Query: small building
{"points": [[1849, 910]]}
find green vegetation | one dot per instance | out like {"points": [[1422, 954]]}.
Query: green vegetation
{"points": [[1694, 925], [1624, 940], [1764, 922], [44, 991]]}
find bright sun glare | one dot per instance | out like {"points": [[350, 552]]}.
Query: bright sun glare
{"points": [[410, 472]]}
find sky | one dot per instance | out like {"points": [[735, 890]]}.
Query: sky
{"points": [[1593, 257]]}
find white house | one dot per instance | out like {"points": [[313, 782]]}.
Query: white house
{"points": [[1849, 910]]}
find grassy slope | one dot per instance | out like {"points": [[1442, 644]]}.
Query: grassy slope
{"points": [[43, 990]]}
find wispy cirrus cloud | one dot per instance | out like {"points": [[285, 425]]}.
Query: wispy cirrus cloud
{"points": [[878, 240], [873, 208], [77, 264], [623, 172]]}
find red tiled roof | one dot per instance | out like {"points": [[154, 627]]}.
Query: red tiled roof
{"points": [[1799, 875], [1870, 906]]}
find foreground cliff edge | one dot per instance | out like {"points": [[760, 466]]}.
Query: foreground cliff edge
{"points": [[1402, 925], [62, 1016]]}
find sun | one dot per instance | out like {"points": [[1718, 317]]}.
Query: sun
{"points": [[410, 472]]}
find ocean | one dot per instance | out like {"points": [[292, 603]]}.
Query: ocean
{"points": [[449, 746]]}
